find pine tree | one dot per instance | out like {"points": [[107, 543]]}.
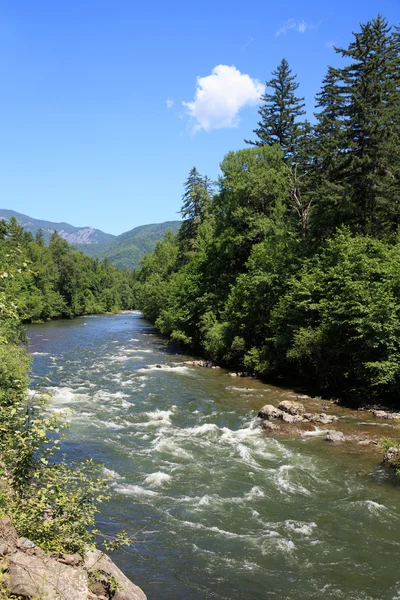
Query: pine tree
{"points": [[358, 133], [280, 111], [195, 200]]}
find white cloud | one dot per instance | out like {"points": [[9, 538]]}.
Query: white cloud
{"points": [[169, 102], [292, 25], [220, 96]]}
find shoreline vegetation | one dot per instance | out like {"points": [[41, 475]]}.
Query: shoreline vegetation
{"points": [[48, 506]]}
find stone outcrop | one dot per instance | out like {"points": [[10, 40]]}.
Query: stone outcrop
{"points": [[104, 565], [32, 573], [292, 412]]}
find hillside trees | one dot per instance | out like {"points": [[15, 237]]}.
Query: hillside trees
{"points": [[358, 134], [56, 281], [293, 268]]}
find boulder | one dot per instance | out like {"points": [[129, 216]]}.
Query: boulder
{"points": [[32, 577], [270, 412], [287, 418], [269, 426], [325, 419], [335, 436], [392, 456], [102, 563], [292, 408], [381, 414]]}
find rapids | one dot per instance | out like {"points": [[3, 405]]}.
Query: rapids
{"points": [[220, 510]]}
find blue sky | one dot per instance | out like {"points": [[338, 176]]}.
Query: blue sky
{"points": [[93, 125]]}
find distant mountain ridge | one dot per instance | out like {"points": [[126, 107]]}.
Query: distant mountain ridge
{"points": [[73, 235], [124, 250], [127, 249]]}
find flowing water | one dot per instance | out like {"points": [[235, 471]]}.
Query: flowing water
{"points": [[220, 509]]}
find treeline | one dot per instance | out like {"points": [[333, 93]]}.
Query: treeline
{"points": [[55, 281], [290, 266]]}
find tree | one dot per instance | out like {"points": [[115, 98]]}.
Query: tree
{"points": [[195, 200], [359, 132], [280, 112]]}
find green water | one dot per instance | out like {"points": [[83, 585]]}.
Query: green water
{"points": [[220, 509]]}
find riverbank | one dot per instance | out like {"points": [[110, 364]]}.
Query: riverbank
{"points": [[29, 572], [315, 417]]}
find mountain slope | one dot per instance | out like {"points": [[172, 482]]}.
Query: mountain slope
{"points": [[127, 249], [124, 250], [73, 235]]}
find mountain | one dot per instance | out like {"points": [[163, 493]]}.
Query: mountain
{"points": [[127, 249], [73, 235], [124, 250]]}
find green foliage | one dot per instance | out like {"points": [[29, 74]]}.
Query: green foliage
{"points": [[280, 111], [292, 267], [43, 282]]}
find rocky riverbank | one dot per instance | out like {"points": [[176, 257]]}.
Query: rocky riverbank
{"points": [[298, 415], [26, 571]]}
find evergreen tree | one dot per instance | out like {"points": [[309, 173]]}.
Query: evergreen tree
{"points": [[195, 199], [280, 112]]}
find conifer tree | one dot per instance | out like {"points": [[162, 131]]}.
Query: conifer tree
{"points": [[280, 111], [195, 199]]}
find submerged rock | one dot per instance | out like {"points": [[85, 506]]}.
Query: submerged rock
{"points": [[335, 436]]}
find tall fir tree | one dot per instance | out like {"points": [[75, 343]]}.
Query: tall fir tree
{"points": [[359, 131], [280, 112], [194, 203]]}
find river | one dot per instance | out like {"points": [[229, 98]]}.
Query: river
{"points": [[221, 510]]}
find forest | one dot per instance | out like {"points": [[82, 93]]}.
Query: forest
{"points": [[289, 265]]}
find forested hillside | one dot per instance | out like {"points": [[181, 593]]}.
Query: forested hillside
{"points": [[292, 267], [56, 281], [127, 249]]}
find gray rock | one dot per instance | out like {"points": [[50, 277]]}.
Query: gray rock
{"points": [[287, 418], [382, 414], [335, 436], [31, 577], [269, 426], [392, 455], [292, 408], [325, 419], [25, 544], [71, 559], [101, 562], [232, 374], [270, 412], [4, 549]]}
